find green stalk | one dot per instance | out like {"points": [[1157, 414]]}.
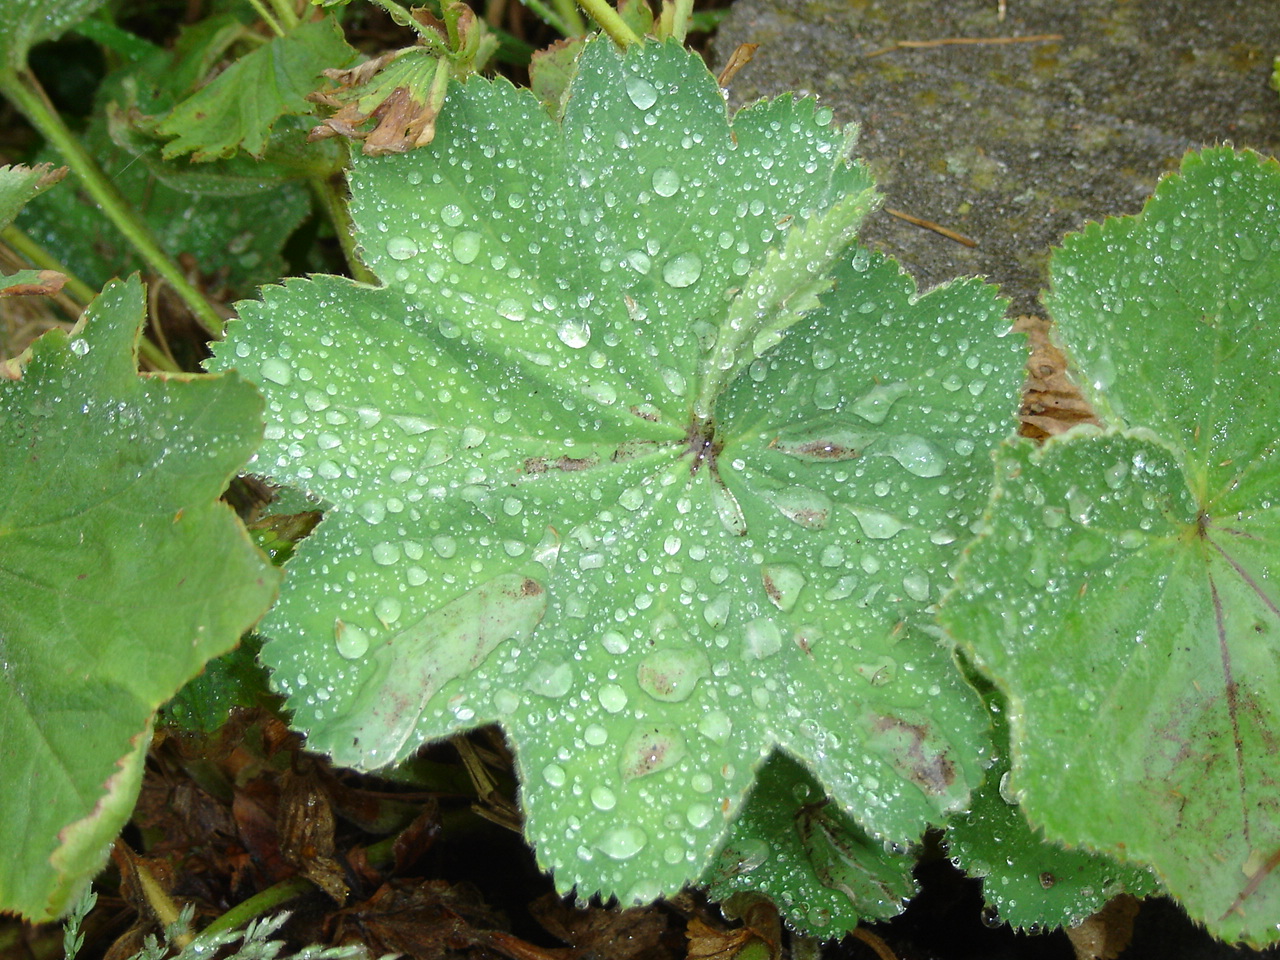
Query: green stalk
{"points": [[610, 22], [285, 11], [332, 200], [568, 14], [550, 17], [25, 93], [266, 17], [430, 39], [680, 19], [240, 915]]}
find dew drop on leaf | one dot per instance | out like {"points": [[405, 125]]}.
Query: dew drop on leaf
{"points": [[466, 246], [622, 843], [602, 798], [277, 371], [613, 698], [574, 333], [917, 455], [666, 182], [682, 270], [351, 642], [650, 748], [761, 638], [716, 726], [554, 774], [782, 584], [671, 674], [874, 405], [385, 553], [877, 524], [401, 248], [641, 92], [387, 610]]}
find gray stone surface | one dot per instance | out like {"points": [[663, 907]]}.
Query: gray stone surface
{"points": [[1014, 145]]}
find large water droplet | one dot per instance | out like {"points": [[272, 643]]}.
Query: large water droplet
{"points": [[874, 405], [466, 246], [385, 553], [808, 508], [387, 610], [877, 524], [671, 674], [575, 333], [351, 641], [602, 798], [761, 638], [715, 725], [665, 182], [548, 679], [782, 584], [554, 774], [622, 843], [612, 697], [682, 270], [716, 612], [917, 455], [641, 92], [277, 371], [401, 248], [650, 748]]}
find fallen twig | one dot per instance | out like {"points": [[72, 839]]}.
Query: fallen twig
{"points": [[953, 41], [930, 225]]}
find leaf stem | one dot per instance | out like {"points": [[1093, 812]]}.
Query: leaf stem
{"points": [[551, 17], [267, 18], [24, 91], [432, 40], [680, 19], [568, 14], [332, 199], [240, 915], [610, 22]]}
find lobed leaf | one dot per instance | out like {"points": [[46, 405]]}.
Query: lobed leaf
{"points": [[561, 505], [1124, 599], [111, 484]]}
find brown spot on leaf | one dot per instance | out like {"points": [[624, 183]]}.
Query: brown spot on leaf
{"points": [[928, 767]]}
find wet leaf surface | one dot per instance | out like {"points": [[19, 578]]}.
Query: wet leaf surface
{"points": [[641, 462]]}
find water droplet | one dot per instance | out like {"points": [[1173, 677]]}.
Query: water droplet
{"points": [[1247, 247], [699, 815], [595, 735], [682, 270], [387, 610], [641, 92], [808, 508], [602, 798], [675, 381], [574, 333], [613, 698], [761, 638], [373, 511], [401, 248], [826, 392], [716, 612], [511, 309], [277, 371], [554, 774], [451, 214], [466, 246], [916, 585], [1007, 793], [1115, 474], [622, 843], [782, 584], [649, 749], [671, 674], [445, 546], [917, 455], [350, 640], [877, 524], [411, 425], [874, 405], [665, 182], [385, 553], [716, 725], [551, 680], [80, 347]]}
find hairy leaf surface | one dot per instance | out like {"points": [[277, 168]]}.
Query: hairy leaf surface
{"points": [[636, 456], [1125, 598], [120, 576]]}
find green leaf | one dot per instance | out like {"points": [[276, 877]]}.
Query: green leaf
{"points": [[1030, 882], [1124, 599], [24, 23], [120, 575], [533, 524], [19, 185], [796, 847], [237, 109]]}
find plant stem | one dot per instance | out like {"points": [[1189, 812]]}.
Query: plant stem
{"points": [[569, 16], [550, 17], [286, 12], [240, 915], [610, 22], [333, 201], [430, 39], [25, 93], [267, 18], [77, 290], [680, 19]]}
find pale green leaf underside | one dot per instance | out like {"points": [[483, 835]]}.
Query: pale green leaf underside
{"points": [[19, 184], [655, 601], [25, 23], [120, 576], [1135, 645], [1156, 649]]}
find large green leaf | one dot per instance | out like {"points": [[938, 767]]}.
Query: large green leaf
{"points": [[633, 455], [1125, 597], [120, 576]]}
